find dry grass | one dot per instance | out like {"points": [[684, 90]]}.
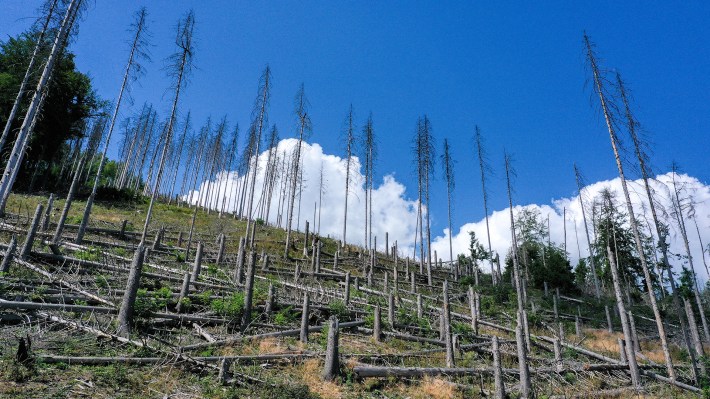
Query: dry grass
{"points": [[271, 345], [311, 372], [432, 387], [602, 341]]}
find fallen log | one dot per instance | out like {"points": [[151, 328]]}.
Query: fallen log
{"points": [[103, 310], [287, 333], [100, 361], [64, 283]]}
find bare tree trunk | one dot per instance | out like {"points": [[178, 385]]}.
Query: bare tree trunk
{"points": [[595, 279], [248, 291], [263, 101], [632, 219], [349, 142], [630, 352], [332, 363], [137, 40], [304, 126], [525, 388], [67, 203], [678, 212], [26, 79], [184, 41], [659, 229], [448, 168], [18, 150], [125, 314]]}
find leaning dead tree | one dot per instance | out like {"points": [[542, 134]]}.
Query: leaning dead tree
{"points": [[133, 69], [28, 74], [661, 231], [680, 205], [485, 168], [521, 327], [607, 110], [304, 127], [34, 108], [628, 348], [595, 277], [181, 65]]}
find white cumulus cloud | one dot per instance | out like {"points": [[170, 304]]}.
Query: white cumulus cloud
{"points": [[396, 214]]}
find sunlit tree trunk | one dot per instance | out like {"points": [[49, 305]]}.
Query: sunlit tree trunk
{"points": [[598, 85], [33, 110], [26, 79], [182, 66]]}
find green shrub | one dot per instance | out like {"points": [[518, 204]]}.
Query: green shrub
{"points": [[285, 316], [91, 254], [338, 309], [231, 306]]}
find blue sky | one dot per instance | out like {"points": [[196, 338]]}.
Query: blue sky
{"points": [[515, 69]]}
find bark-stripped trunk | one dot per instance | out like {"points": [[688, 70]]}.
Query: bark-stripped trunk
{"points": [[521, 328], [304, 125], [659, 230], [18, 150], [140, 27], [595, 278], [184, 41], [26, 79], [632, 219]]}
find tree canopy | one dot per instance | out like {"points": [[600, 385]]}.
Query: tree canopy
{"points": [[70, 102]]}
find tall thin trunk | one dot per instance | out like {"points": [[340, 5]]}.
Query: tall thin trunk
{"points": [[659, 229], [595, 278], [304, 126], [263, 103], [678, 212], [481, 162], [448, 169], [176, 168], [26, 79], [623, 315], [184, 42], [525, 388], [18, 150], [349, 141], [632, 219]]}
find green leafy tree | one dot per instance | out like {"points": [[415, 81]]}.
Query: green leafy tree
{"points": [[542, 261], [71, 100]]}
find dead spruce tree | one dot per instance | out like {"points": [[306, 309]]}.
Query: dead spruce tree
{"points": [[607, 110], [661, 230], [623, 315], [304, 127], [424, 160], [369, 148], [447, 168], [180, 67], [28, 73], [133, 69], [521, 328], [349, 139], [485, 169], [595, 278], [260, 117], [34, 108], [269, 174], [176, 164], [680, 205]]}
